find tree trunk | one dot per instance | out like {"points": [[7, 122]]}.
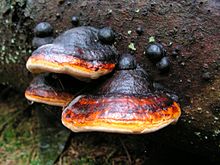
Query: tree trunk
{"points": [[193, 26]]}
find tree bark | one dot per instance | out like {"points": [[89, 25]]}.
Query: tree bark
{"points": [[193, 26]]}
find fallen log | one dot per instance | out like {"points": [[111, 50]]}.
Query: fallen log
{"points": [[191, 27]]}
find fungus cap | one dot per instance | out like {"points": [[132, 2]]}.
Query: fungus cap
{"points": [[125, 103], [51, 89], [76, 52]]}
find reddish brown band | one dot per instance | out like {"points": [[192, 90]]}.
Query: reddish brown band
{"points": [[126, 114], [49, 97], [74, 66]]}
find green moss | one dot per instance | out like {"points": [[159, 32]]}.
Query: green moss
{"points": [[132, 46], [83, 161], [35, 162], [8, 135], [151, 39]]}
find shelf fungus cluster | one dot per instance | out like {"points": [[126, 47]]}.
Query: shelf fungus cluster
{"points": [[77, 52], [123, 102]]}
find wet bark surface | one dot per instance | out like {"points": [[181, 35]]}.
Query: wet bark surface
{"points": [[191, 26]]}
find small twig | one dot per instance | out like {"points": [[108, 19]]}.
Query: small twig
{"points": [[126, 151], [110, 155], [61, 84], [3, 126]]}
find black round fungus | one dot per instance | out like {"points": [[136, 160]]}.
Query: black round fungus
{"points": [[155, 52], [43, 29], [139, 30], [106, 35], [164, 64], [75, 20], [175, 53]]}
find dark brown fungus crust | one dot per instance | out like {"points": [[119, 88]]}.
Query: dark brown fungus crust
{"points": [[77, 52], [57, 90], [37, 41], [125, 103]]}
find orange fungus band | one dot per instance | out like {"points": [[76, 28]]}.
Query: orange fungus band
{"points": [[126, 113], [71, 61], [49, 97]]}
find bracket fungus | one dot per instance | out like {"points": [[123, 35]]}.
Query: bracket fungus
{"points": [[43, 34], [125, 103], [77, 52], [56, 90]]}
